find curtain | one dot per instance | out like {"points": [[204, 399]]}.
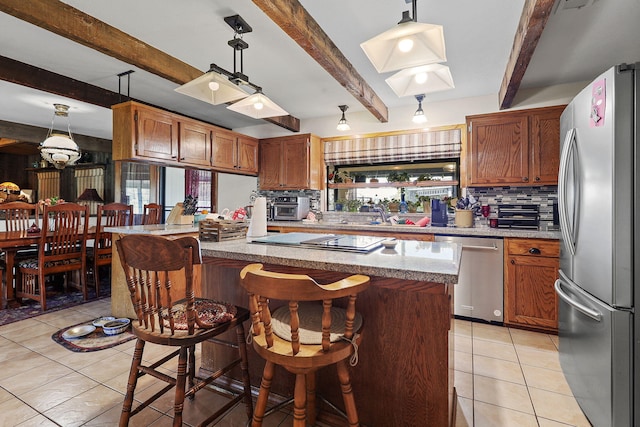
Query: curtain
{"points": [[424, 145], [198, 184]]}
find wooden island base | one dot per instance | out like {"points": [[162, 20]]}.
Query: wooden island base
{"points": [[404, 375]]}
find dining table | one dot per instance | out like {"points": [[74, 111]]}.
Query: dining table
{"points": [[11, 242]]}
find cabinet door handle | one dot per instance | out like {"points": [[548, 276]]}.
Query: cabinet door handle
{"points": [[513, 262], [174, 157], [537, 178], [181, 158], [525, 178], [534, 251]]}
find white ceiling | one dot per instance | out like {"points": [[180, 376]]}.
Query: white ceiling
{"points": [[576, 45]]}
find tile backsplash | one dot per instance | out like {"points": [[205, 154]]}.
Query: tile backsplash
{"points": [[544, 197]]}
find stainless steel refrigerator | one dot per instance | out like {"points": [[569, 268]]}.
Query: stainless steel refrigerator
{"points": [[598, 186]]}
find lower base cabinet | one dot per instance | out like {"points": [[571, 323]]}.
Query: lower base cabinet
{"points": [[530, 270]]}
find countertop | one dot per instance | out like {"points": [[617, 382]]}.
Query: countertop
{"points": [[157, 229], [409, 260], [456, 231]]}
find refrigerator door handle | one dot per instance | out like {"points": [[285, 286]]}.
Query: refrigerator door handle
{"points": [[566, 228], [594, 314]]}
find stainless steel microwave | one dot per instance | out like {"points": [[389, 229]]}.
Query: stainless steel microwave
{"points": [[290, 208]]}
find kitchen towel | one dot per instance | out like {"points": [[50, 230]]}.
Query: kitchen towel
{"points": [[258, 224]]}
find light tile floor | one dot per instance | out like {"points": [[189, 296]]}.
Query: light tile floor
{"points": [[509, 377], [504, 377]]}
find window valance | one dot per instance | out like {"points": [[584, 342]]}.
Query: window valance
{"points": [[418, 146]]}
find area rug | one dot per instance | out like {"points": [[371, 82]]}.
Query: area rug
{"points": [[56, 300], [96, 340]]}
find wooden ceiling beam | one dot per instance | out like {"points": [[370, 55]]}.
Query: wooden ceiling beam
{"points": [[294, 20], [73, 24], [35, 135], [535, 14], [27, 75]]}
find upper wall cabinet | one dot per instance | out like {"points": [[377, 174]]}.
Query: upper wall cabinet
{"points": [[291, 163], [516, 148], [152, 135], [234, 153]]}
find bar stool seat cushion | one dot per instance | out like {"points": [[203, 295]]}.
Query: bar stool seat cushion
{"points": [[208, 311], [310, 329]]}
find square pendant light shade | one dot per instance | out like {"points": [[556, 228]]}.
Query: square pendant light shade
{"points": [[409, 44], [423, 79], [202, 89], [257, 106]]}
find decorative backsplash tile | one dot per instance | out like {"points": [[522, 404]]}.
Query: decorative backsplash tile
{"points": [[544, 197]]}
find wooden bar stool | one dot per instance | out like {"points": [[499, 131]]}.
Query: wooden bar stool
{"points": [[304, 335], [149, 262]]}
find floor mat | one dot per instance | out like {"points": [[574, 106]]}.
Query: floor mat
{"points": [[96, 340], [57, 299]]}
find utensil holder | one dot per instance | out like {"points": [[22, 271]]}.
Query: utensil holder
{"points": [[464, 218]]}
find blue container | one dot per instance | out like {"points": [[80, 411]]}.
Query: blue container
{"points": [[438, 213]]}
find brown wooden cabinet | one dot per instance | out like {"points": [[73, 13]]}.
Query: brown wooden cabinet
{"points": [[530, 270], [514, 148], [194, 145], [152, 135], [233, 152], [291, 163]]}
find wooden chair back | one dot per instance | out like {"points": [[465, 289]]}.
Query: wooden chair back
{"points": [[110, 215], [147, 261], [18, 216], [264, 286], [67, 241], [152, 214]]}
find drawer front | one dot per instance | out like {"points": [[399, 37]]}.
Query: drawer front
{"points": [[533, 247]]}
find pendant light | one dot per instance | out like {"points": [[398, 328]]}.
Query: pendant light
{"points": [[60, 149], [423, 79], [212, 87], [409, 44], [419, 116], [343, 125], [219, 86], [258, 106]]}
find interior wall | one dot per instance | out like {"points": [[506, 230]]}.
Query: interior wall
{"points": [[234, 191], [438, 113]]}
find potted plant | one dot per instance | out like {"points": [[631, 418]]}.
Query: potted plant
{"points": [[412, 207], [426, 203], [340, 203], [398, 177], [394, 205], [353, 205]]}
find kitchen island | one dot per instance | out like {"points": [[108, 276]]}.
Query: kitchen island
{"points": [[404, 376], [121, 305]]}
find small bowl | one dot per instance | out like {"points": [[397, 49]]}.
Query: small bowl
{"points": [[100, 321], [389, 244], [116, 327]]}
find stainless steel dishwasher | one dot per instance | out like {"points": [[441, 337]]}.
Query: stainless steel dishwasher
{"points": [[479, 292]]}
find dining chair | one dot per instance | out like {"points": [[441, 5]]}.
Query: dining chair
{"points": [[149, 262], [109, 215], [18, 216], [61, 250], [152, 214], [308, 332]]}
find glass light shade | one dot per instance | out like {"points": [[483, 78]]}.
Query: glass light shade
{"points": [[408, 82], [258, 106], [201, 88], [388, 51], [60, 150], [343, 125], [419, 116]]}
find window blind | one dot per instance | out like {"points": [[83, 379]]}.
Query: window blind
{"points": [[427, 145]]}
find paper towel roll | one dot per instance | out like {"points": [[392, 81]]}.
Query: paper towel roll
{"points": [[258, 223]]}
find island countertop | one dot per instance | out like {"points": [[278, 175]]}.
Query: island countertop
{"points": [[406, 355], [410, 260]]}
